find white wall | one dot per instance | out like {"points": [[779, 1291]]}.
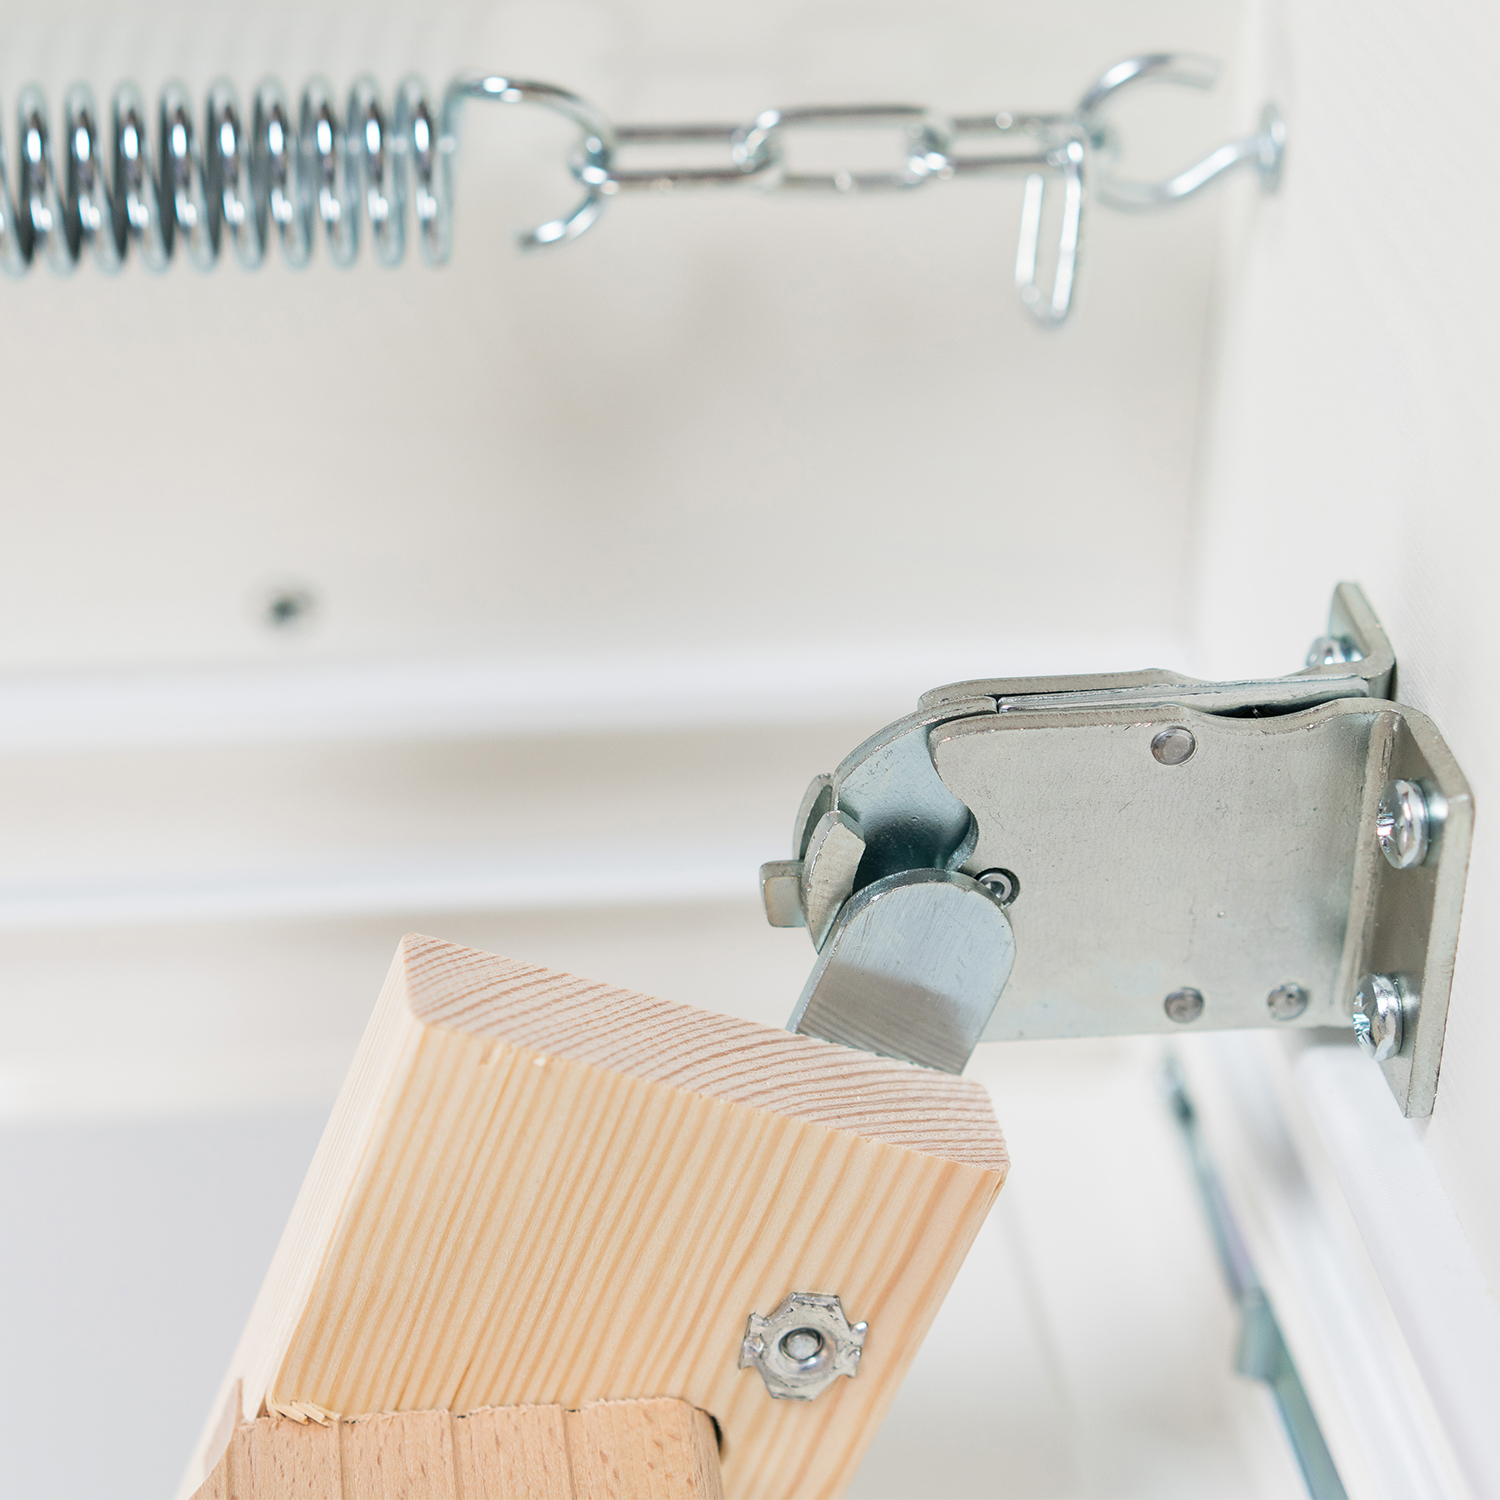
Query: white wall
{"points": [[715, 419], [612, 550], [1351, 435], [1354, 433]]}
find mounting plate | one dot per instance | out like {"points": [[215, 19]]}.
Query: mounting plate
{"points": [[1168, 854]]}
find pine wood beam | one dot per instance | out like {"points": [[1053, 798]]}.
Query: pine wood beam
{"points": [[540, 1190]]}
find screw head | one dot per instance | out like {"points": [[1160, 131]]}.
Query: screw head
{"points": [[1184, 1005], [1286, 1002], [1173, 746], [1403, 824], [1377, 1016], [1332, 651]]}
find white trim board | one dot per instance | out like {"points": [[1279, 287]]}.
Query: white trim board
{"points": [[446, 697], [511, 879], [1391, 1434]]}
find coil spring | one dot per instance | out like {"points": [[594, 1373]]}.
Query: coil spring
{"points": [[247, 184]]}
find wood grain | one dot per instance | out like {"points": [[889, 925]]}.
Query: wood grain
{"points": [[523, 1448], [612, 1450], [655, 1450], [540, 1190]]}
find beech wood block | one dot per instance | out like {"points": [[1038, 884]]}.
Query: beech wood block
{"points": [[537, 1190], [608, 1450]]}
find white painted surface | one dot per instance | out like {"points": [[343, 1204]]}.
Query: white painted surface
{"points": [[1353, 434], [1426, 1266], [1384, 1427], [515, 878], [612, 550], [715, 420], [601, 691]]}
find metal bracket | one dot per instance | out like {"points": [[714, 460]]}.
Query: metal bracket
{"points": [[1140, 852]]}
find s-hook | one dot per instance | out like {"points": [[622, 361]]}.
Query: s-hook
{"points": [[248, 179], [1264, 150]]}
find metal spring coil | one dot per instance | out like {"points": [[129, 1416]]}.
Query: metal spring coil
{"points": [[244, 183]]}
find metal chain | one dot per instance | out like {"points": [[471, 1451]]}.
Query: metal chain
{"points": [[755, 154], [1057, 154], [1051, 147]]}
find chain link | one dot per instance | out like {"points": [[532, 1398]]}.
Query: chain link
{"points": [[755, 154], [1045, 147], [1055, 152]]}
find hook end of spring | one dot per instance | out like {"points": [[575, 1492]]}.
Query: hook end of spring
{"points": [[1272, 144]]}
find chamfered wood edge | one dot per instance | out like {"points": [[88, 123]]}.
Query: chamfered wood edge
{"points": [[389, 1039], [699, 1051]]}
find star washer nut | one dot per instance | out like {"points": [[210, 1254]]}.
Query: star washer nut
{"points": [[803, 1347]]}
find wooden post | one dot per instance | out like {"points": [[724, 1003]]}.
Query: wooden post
{"points": [[537, 1190], [608, 1450]]}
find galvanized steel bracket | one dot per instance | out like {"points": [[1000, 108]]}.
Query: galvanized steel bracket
{"points": [[1140, 852]]}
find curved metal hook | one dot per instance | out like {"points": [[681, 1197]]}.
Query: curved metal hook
{"points": [[1263, 150], [1186, 68], [1068, 162], [598, 149]]}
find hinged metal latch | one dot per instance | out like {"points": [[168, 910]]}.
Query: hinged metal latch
{"points": [[1140, 852]]}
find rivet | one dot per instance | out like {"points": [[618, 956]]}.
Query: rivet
{"points": [[1286, 1002], [1173, 746], [1184, 1005]]}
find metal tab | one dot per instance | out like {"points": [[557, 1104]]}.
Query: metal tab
{"points": [[1366, 671], [913, 968], [781, 890], [834, 853], [1407, 919]]}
